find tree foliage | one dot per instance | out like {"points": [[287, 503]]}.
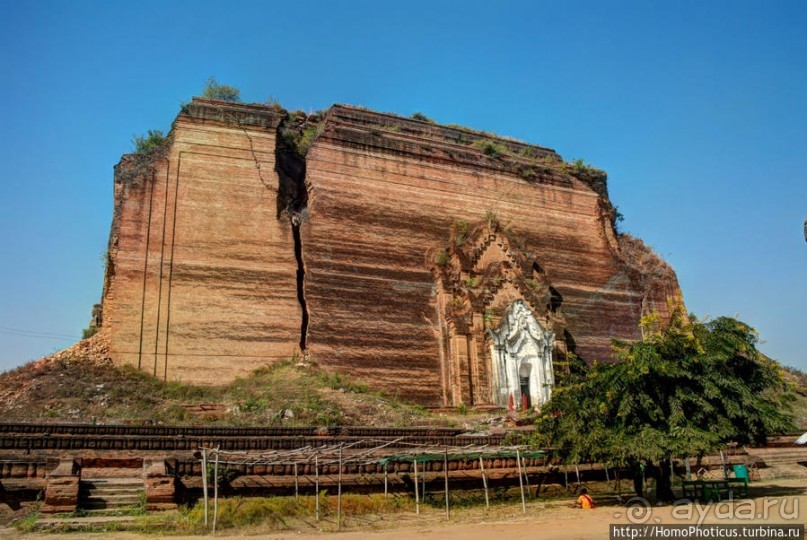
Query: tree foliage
{"points": [[688, 388], [144, 144], [215, 90]]}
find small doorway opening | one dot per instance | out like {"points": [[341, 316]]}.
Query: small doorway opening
{"points": [[525, 393]]}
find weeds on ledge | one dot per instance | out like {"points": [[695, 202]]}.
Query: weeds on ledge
{"points": [[492, 149]]}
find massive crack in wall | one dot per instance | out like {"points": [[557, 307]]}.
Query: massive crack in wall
{"points": [[233, 248], [292, 200]]}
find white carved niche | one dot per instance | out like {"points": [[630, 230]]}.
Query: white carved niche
{"points": [[522, 359]]}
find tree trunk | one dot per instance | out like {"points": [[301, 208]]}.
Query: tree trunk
{"points": [[638, 480], [664, 490]]}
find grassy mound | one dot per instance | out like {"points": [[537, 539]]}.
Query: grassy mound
{"points": [[80, 385]]}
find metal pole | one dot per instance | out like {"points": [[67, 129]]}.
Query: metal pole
{"points": [[215, 491], [417, 499], [316, 482], [296, 484], [445, 475], [204, 480], [386, 481], [339, 494], [520, 481], [484, 482]]}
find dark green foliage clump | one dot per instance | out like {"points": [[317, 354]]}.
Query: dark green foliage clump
{"points": [[422, 117], [215, 90], [89, 332], [145, 144], [688, 388]]}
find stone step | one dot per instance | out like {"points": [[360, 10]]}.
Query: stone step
{"points": [[111, 486], [109, 491], [79, 523], [116, 501], [111, 481]]}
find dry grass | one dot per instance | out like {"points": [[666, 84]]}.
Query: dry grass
{"points": [[80, 388]]}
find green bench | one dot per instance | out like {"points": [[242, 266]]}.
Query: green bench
{"points": [[715, 490]]}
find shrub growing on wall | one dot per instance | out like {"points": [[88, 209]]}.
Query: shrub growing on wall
{"points": [[215, 90]]}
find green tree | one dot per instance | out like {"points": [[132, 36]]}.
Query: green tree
{"points": [[214, 90], [686, 389]]}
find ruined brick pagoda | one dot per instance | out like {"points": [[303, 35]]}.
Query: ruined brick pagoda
{"points": [[442, 264]]}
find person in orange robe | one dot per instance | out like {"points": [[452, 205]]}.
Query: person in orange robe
{"points": [[584, 501]]}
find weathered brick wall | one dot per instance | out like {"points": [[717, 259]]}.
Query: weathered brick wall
{"points": [[202, 285], [383, 200]]}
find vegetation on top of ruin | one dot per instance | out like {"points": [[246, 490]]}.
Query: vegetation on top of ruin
{"points": [[299, 130], [422, 117], [145, 144], [215, 90]]}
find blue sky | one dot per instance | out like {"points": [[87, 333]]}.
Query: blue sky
{"points": [[697, 110]]}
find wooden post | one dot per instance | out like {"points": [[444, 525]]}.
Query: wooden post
{"points": [[484, 482], [386, 482], [723, 464], [316, 482], [607, 478], [521, 482], [296, 484], [526, 476], [417, 500], [215, 491], [204, 480], [689, 468], [565, 478], [445, 475], [339, 494], [577, 472], [423, 480]]}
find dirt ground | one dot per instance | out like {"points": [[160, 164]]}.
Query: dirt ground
{"points": [[774, 502]]}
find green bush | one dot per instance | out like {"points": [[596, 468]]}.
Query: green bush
{"points": [[441, 258], [145, 144], [89, 332], [460, 231], [492, 149], [422, 117], [215, 90]]}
